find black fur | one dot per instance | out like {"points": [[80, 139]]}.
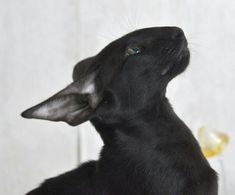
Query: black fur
{"points": [[147, 149]]}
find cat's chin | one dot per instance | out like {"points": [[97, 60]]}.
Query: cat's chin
{"points": [[182, 63]]}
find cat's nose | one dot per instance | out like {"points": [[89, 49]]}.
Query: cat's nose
{"points": [[177, 33]]}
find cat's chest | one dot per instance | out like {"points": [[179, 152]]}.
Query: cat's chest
{"points": [[125, 176]]}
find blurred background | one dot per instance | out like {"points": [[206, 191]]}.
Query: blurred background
{"points": [[40, 42]]}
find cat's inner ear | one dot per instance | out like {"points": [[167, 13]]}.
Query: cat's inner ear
{"points": [[88, 86], [74, 104]]}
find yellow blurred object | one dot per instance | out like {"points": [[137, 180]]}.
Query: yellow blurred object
{"points": [[212, 142]]}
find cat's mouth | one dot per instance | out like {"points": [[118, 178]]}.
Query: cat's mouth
{"points": [[184, 54], [181, 62], [183, 59]]}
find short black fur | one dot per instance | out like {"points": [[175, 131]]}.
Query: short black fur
{"points": [[147, 149]]}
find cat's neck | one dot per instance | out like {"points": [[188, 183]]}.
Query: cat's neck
{"points": [[151, 125]]}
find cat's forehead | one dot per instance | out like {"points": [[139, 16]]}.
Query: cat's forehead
{"points": [[153, 33]]}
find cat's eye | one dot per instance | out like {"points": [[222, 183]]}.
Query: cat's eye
{"points": [[133, 50]]}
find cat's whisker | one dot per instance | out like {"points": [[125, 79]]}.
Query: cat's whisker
{"points": [[137, 15], [105, 37], [113, 33], [123, 25], [128, 22], [193, 51]]}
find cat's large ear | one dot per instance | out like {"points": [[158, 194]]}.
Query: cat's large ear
{"points": [[83, 68], [74, 104]]}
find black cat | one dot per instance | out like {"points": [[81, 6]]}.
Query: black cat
{"points": [[147, 149]]}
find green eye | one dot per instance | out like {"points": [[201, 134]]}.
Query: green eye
{"points": [[132, 51]]}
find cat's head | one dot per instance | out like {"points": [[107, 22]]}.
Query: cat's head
{"points": [[127, 76]]}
